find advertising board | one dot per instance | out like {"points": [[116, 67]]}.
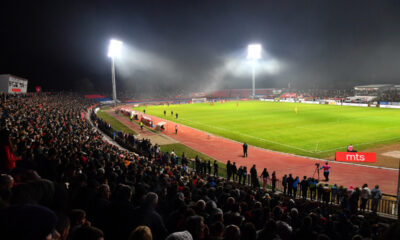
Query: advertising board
{"points": [[355, 157]]}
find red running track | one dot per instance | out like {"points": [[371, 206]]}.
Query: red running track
{"points": [[223, 149]]}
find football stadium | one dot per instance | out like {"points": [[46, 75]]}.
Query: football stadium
{"points": [[302, 129], [209, 120]]}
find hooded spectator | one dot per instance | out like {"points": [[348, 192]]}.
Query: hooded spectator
{"points": [[27, 221]]}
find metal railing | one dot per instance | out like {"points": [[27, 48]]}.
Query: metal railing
{"points": [[385, 205]]}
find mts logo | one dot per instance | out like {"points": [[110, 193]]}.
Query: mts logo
{"points": [[355, 157]]}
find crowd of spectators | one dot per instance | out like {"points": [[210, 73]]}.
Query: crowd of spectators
{"points": [[155, 94], [313, 94], [61, 180], [389, 96]]}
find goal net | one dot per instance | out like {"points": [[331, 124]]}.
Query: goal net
{"points": [[199, 100]]}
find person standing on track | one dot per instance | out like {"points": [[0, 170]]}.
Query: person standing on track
{"points": [[245, 149], [326, 168], [176, 129]]}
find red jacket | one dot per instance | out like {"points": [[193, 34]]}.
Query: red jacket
{"points": [[8, 159]]}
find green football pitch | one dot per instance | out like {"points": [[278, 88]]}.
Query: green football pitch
{"points": [[312, 130]]}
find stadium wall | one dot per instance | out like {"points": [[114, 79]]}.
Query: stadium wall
{"points": [[395, 105]]}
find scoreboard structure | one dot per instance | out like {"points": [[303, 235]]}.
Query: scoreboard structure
{"points": [[13, 84]]}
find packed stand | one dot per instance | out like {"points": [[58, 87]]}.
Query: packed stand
{"points": [[389, 96], [61, 180]]}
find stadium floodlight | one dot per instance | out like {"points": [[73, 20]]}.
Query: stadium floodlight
{"points": [[253, 54], [114, 51], [254, 51]]}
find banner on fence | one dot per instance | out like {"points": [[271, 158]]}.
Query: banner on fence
{"points": [[355, 104], [355, 157], [389, 106]]}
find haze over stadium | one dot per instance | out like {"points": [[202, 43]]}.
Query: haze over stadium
{"points": [[192, 45], [204, 120]]}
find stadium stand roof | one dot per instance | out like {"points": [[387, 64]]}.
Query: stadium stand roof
{"points": [[376, 86]]}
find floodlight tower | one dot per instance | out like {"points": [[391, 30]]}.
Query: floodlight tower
{"points": [[253, 54], [114, 51]]}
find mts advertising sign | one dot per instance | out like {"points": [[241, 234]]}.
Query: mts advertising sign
{"points": [[355, 157]]}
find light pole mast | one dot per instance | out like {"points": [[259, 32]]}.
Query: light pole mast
{"points": [[253, 54], [114, 88], [114, 51], [254, 79]]}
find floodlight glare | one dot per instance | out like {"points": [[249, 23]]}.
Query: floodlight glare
{"points": [[114, 49], [254, 51]]}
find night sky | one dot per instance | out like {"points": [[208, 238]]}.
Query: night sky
{"points": [[197, 45]]}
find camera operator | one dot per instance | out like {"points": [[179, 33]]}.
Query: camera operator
{"points": [[326, 168]]}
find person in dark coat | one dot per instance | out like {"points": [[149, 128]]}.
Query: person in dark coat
{"points": [[244, 173], [27, 221], [240, 173], [254, 179], [304, 187], [228, 170], [234, 171], [273, 180], [284, 184], [121, 215], [198, 164], [147, 216], [204, 167], [215, 168], [245, 149], [290, 181]]}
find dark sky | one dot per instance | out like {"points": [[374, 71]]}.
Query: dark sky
{"points": [[188, 44]]}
